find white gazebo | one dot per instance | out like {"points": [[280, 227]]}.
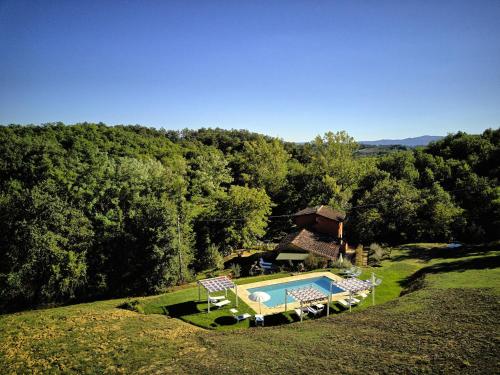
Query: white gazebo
{"points": [[304, 296], [217, 284]]}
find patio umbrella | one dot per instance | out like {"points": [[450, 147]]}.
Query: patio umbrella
{"points": [[259, 297]]}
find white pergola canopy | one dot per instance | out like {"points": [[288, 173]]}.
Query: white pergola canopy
{"points": [[306, 295], [354, 285], [217, 284]]}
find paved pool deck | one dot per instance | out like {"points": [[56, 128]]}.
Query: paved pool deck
{"points": [[243, 291]]}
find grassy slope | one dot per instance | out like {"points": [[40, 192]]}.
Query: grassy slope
{"points": [[449, 324]]}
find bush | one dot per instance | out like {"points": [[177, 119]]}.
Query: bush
{"points": [[377, 254], [344, 263], [132, 305], [236, 270], [313, 262], [213, 258]]}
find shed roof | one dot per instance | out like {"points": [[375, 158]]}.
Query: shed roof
{"points": [[325, 211], [216, 284], [317, 243], [292, 256]]}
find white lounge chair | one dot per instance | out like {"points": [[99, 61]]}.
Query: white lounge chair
{"points": [[319, 306], [345, 302], [264, 263], [259, 319], [362, 294], [216, 299], [241, 317], [349, 271], [222, 303], [313, 311], [355, 273], [300, 312]]}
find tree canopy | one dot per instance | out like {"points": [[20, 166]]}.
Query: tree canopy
{"points": [[91, 211]]}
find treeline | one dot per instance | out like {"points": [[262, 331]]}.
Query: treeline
{"points": [[90, 211]]}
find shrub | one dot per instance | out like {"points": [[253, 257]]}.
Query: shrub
{"points": [[377, 254], [344, 263], [236, 270], [132, 305], [213, 258], [313, 262]]}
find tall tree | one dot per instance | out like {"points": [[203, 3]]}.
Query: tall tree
{"points": [[334, 172], [265, 164]]}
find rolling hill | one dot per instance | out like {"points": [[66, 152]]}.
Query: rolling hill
{"points": [[446, 321], [423, 140]]}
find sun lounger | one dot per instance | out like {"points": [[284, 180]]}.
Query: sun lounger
{"points": [[241, 317], [313, 311], [319, 306], [300, 312], [222, 303], [216, 299], [356, 273], [350, 270], [264, 263], [345, 302], [259, 319], [362, 294]]}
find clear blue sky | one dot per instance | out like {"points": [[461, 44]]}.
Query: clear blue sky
{"points": [[295, 69]]}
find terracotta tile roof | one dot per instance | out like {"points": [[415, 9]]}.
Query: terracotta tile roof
{"points": [[324, 211], [316, 243]]}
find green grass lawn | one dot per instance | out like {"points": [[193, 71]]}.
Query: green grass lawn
{"points": [[445, 322], [183, 304]]}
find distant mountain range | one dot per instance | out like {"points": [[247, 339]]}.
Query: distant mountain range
{"points": [[424, 140]]}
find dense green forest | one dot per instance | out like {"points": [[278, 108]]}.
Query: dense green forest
{"points": [[90, 211]]}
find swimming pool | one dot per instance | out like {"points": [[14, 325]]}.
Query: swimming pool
{"points": [[277, 291]]}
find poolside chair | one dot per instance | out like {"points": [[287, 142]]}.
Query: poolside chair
{"points": [[241, 317], [345, 302], [222, 303], [313, 311], [319, 306], [357, 272], [264, 263], [349, 271], [362, 294], [259, 319], [300, 312], [266, 266], [216, 299]]}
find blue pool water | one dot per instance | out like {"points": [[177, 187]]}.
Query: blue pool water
{"points": [[277, 291]]}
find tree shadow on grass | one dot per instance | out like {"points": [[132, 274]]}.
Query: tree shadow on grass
{"points": [[426, 254], [276, 320], [416, 281], [181, 309], [225, 321]]}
